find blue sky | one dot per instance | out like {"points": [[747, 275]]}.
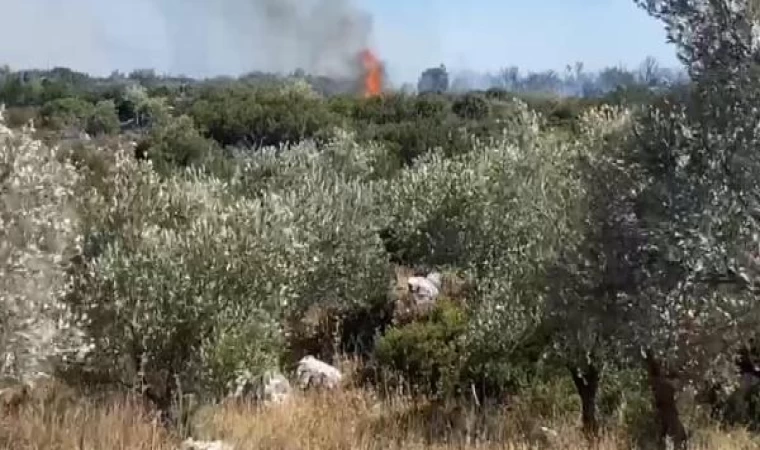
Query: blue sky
{"points": [[409, 35], [537, 35]]}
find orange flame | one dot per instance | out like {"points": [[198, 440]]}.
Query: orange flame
{"points": [[373, 74]]}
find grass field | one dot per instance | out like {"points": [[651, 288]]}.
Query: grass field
{"points": [[352, 419]]}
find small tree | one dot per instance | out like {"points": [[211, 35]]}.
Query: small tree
{"points": [[103, 119], [500, 213], [189, 277], [586, 310], [434, 79], [66, 112], [175, 143], [38, 235]]}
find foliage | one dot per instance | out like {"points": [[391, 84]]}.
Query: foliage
{"points": [[585, 309], [65, 112], [706, 231], [160, 290], [257, 117], [103, 119], [176, 143], [20, 116], [193, 279], [257, 219], [34, 251], [471, 107], [501, 212], [427, 354]]}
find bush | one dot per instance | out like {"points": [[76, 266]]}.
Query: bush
{"points": [[471, 107], [176, 143], [17, 117], [427, 355], [66, 112], [502, 213], [188, 278], [333, 217], [103, 119], [242, 115], [162, 291], [38, 234]]}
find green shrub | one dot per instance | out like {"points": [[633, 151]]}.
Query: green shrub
{"points": [[193, 279], [261, 117], [471, 107], [66, 112], [39, 233], [17, 117], [176, 143], [163, 291], [103, 119], [502, 213], [426, 355], [334, 217]]}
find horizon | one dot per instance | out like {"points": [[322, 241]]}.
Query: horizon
{"points": [[482, 37]]}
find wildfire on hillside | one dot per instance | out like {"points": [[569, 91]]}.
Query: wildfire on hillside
{"points": [[373, 74]]}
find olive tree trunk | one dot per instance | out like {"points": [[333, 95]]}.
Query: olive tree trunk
{"points": [[587, 384], [668, 419]]}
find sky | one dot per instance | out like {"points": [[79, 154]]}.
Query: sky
{"points": [[99, 36], [533, 35]]}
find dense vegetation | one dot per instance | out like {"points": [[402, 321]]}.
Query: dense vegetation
{"points": [[204, 230]]}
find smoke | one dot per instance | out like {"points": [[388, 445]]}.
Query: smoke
{"points": [[233, 36], [193, 37]]}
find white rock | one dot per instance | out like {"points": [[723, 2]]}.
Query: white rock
{"points": [[190, 444], [272, 387], [425, 289], [276, 388], [313, 372]]}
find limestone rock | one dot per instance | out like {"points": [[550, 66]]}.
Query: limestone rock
{"points": [[276, 388], [270, 388], [425, 289], [191, 444], [312, 372]]}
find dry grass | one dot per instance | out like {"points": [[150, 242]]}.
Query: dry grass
{"points": [[55, 419], [348, 420]]}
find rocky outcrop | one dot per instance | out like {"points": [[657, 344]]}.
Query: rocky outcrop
{"points": [[415, 295], [270, 388], [425, 289], [191, 444], [312, 372], [276, 389]]}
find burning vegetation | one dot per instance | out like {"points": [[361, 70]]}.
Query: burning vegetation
{"points": [[373, 74]]}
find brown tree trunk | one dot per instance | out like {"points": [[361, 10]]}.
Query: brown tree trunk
{"points": [[742, 408], [587, 383], [664, 395], [159, 390]]}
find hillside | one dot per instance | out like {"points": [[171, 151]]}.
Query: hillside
{"points": [[280, 265]]}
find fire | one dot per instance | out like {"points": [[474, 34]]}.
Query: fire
{"points": [[373, 74]]}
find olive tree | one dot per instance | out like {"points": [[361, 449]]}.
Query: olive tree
{"points": [[333, 193], [38, 235], [187, 278], [585, 310], [699, 207], [499, 214]]}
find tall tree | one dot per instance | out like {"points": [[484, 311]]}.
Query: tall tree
{"points": [[702, 203], [434, 79]]}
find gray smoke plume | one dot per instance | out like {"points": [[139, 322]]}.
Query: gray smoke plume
{"points": [[233, 36], [194, 37]]}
